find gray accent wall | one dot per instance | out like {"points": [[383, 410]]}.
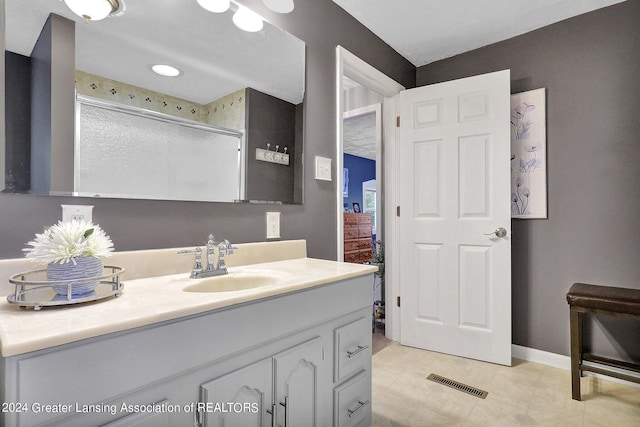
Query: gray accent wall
{"points": [[590, 67], [140, 224], [2, 100], [52, 107], [270, 121], [18, 122]]}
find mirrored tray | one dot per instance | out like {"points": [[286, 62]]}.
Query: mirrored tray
{"points": [[32, 289]]}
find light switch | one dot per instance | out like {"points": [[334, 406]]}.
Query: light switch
{"points": [[323, 168], [273, 225]]}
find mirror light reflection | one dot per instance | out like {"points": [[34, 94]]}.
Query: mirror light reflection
{"points": [[238, 83]]}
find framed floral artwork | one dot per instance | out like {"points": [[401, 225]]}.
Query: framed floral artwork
{"points": [[528, 155]]}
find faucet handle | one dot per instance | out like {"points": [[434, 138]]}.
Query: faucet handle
{"points": [[197, 264], [196, 251]]}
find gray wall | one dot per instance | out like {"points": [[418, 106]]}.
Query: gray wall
{"points": [[590, 66], [2, 100], [18, 122], [52, 107], [271, 121], [139, 224]]}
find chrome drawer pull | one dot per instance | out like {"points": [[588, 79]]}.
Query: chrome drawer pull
{"points": [[361, 348], [273, 414], [286, 410], [361, 405]]}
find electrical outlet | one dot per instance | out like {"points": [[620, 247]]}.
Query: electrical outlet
{"points": [[273, 225], [77, 212]]}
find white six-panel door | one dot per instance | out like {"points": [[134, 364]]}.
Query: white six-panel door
{"points": [[455, 266]]}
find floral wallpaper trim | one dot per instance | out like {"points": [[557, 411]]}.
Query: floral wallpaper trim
{"points": [[228, 112]]}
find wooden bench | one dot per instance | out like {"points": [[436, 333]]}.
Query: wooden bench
{"points": [[601, 300]]}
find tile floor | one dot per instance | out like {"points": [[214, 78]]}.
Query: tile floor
{"points": [[526, 394]]}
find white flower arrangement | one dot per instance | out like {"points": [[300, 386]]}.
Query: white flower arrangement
{"points": [[63, 242]]}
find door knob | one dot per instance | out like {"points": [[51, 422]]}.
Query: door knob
{"points": [[499, 232]]}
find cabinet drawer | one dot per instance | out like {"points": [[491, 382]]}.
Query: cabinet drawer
{"points": [[364, 219], [350, 219], [364, 231], [364, 244], [352, 402], [365, 255], [351, 246], [350, 233], [352, 347], [352, 256]]}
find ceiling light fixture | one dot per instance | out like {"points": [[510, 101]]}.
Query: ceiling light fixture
{"points": [[246, 19], [280, 6], [243, 17], [216, 6], [93, 10], [166, 70]]}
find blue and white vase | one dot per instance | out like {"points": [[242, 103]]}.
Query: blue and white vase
{"points": [[86, 267]]}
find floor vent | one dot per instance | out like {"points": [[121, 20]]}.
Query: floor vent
{"points": [[458, 386]]}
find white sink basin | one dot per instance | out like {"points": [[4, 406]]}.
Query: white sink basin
{"points": [[233, 281]]}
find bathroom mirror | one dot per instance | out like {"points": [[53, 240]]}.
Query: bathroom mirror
{"points": [[229, 79]]}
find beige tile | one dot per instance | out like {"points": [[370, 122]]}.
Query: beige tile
{"points": [[427, 417], [391, 406], [427, 395], [505, 421], [592, 386], [614, 410], [504, 400], [526, 394], [548, 400], [552, 421]]}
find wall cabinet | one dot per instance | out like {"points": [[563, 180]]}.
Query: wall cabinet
{"points": [[286, 360], [357, 237]]}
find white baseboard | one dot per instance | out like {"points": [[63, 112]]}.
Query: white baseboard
{"points": [[561, 362], [542, 357]]}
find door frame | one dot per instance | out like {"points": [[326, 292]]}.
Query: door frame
{"points": [[349, 65]]}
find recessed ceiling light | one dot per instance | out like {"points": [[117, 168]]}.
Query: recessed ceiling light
{"points": [[166, 70], [280, 6], [217, 6], [246, 19], [93, 10]]}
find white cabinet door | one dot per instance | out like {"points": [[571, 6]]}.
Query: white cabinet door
{"points": [[244, 398], [240, 398], [296, 380]]}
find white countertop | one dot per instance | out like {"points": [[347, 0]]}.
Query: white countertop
{"points": [[156, 299]]}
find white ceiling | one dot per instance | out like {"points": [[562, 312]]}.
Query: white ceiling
{"points": [[359, 135], [424, 31]]}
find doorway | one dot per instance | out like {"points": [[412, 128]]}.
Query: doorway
{"points": [[359, 86]]}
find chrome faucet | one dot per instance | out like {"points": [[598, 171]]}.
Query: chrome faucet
{"points": [[224, 248], [211, 250], [213, 268]]}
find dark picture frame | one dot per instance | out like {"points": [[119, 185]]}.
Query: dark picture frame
{"points": [[356, 207]]}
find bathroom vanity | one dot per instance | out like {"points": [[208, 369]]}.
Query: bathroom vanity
{"points": [[295, 350]]}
